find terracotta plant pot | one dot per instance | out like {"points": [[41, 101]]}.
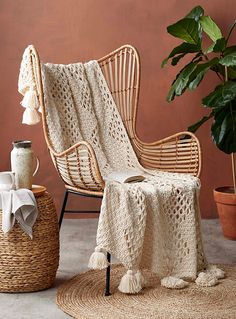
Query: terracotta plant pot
{"points": [[225, 199]]}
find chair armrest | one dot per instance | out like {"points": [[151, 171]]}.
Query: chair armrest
{"points": [[180, 153], [78, 167]]}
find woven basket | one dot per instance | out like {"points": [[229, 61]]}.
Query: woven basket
{"points": [[30, 265]]}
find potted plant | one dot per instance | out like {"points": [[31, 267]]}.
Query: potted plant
{"points": [[219, 57]]}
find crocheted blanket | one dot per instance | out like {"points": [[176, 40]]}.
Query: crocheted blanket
{"points": [[153, 224]]}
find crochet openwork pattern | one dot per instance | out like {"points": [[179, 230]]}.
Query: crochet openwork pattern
{"points": [[154, 223]]}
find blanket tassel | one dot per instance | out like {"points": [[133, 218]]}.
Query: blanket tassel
{"points": [[129, 283], [210, 276], [30, 117], [217, 272], [140, 278], [172, 282], [31, 104], [98, 260], [30, 99]]}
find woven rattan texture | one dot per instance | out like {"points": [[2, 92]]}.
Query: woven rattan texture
{"points": [[30, 265], [82, 297]]}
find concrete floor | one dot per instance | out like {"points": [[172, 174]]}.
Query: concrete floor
{"points": [[77, 243]]}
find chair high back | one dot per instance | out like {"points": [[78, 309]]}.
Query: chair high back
{"points": [[121, 69]]}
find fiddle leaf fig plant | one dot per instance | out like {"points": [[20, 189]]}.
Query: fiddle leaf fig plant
{"points": [[219, 57]]}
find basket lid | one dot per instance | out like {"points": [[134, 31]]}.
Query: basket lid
{"points": [[38, 190]]}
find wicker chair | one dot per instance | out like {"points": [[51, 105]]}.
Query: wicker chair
{"points": [[78, 167]]}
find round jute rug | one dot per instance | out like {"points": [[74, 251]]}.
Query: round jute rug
{"points": [[82, 297]]}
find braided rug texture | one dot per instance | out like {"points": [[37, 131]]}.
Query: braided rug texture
{"points": [[82, 297]]}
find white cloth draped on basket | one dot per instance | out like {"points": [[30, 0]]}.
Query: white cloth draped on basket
{"points": [[18, 205], [153, 224]]}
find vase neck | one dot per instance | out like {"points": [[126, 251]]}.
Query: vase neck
{"points": [[22, 144]]}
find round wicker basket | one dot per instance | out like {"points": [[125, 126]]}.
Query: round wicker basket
{"points": [[31, 265]]}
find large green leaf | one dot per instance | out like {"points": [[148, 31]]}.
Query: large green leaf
{"points": [[199, 72], [171, 94], [193, 128], [183, 48], [222, 95], [219, 45], [181, 81], [197, 79], [223, 129], [230, 50], [209, 49], [185, 29], [195, 13], [197, 57], [176, 59], [232, 73], [210, 28], [220, 69], [229, 60]]}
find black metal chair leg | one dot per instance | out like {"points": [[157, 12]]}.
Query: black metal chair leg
{"points": [[108, 270], [63, 208], [108, 276]]}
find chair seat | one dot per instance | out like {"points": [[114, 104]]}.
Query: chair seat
{"points": [[85, 192]]}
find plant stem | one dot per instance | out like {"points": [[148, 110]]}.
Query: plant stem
{"points": [[226, 74], [219, 76], [232, 154], [230, 31]]}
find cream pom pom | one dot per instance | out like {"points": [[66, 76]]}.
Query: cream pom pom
{"points": [[173, 282], [206, 279]]}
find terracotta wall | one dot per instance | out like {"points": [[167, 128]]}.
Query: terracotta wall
{"points": [[66, 31]]}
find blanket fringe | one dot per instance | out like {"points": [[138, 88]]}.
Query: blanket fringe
{"points": [[98, 260], [129, 283]]}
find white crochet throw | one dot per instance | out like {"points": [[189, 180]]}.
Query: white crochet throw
{"points": [[153, 224]]}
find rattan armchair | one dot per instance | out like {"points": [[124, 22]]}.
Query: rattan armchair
{"points": [[78, 167]]}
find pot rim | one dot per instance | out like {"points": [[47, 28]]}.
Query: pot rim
{"points": [[224, 196], [223, 190]]}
